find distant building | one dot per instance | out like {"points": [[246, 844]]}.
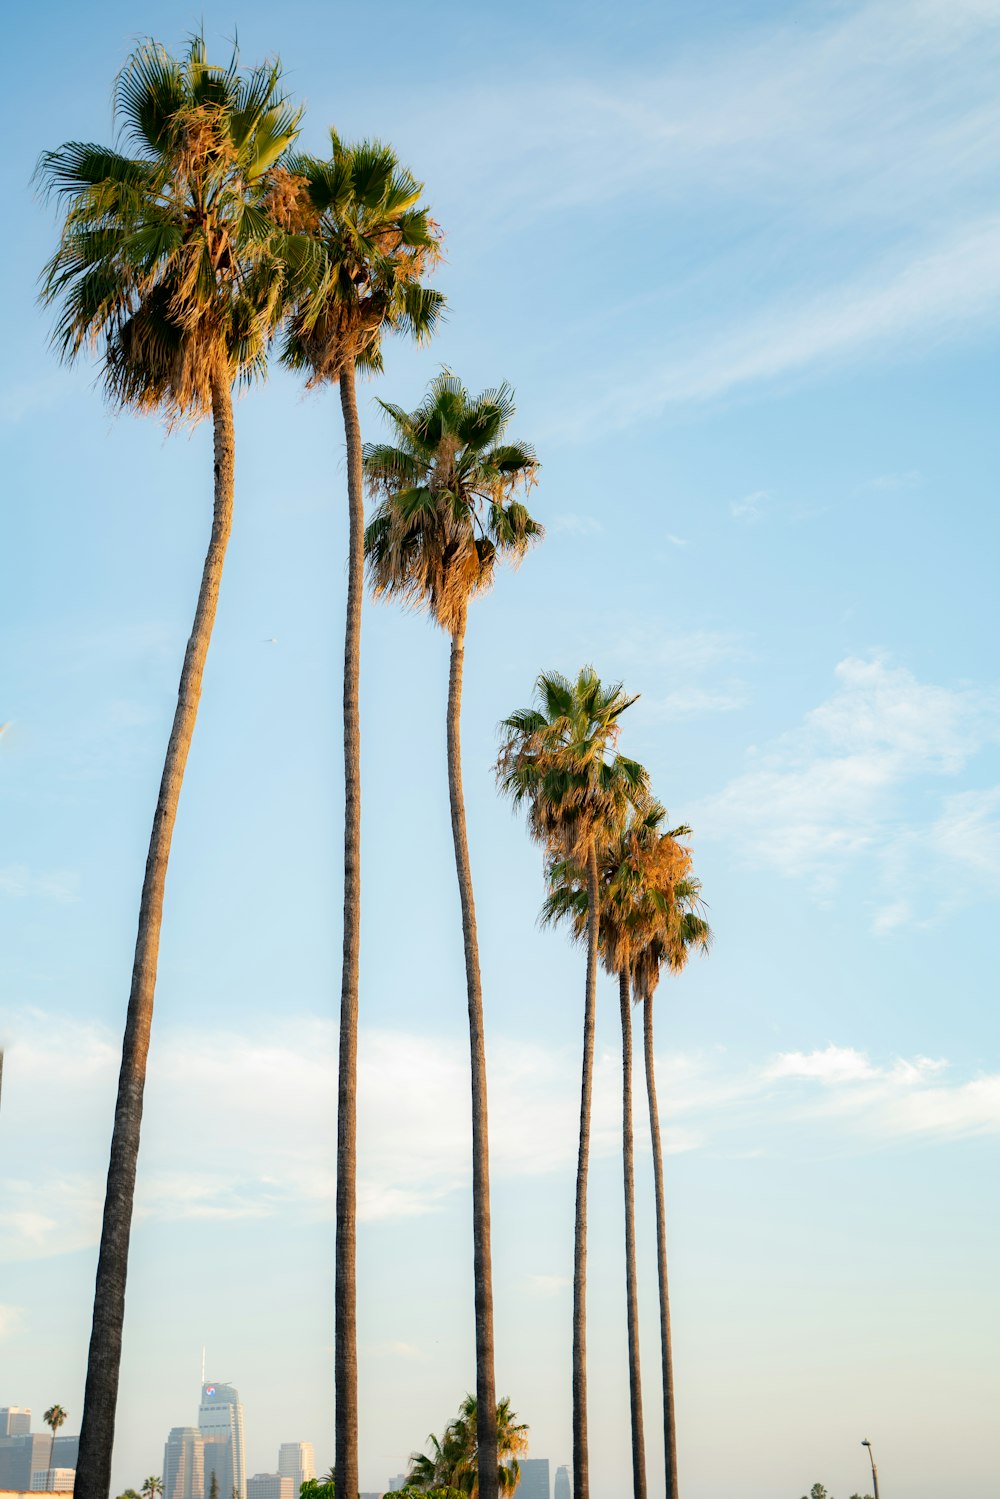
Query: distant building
{"points": [[15, 1421], [184, 1464], [564, 1489], [399, 1482], [220, 1422], [270, 1486], [20, 1456], [534, 1479], [297, 1461], [65, 1452], [53, 1481]]}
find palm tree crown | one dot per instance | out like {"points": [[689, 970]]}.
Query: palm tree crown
{"points": [[556, 757], [361, 210], [640, 868], [167, 256], [453, 1458], [447, 509]]}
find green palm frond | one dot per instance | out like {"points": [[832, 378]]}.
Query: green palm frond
{"points": [[446, 510], [361, 208], [558, 759], [167, 258]]}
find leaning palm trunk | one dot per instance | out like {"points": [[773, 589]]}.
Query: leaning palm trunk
{"points": [[631, 1278], [581, 1461], [97, 1427], [345, 1291], [669, 1421], [488, 1461]]}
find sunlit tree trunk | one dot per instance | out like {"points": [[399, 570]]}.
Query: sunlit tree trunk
{"points": [[97, 1426], [345, 1288], [669, 1420], [486, 1399], [631, 1277], [581, 1464]]}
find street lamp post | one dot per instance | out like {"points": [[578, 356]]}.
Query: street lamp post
{"points": [[871, 1456]]}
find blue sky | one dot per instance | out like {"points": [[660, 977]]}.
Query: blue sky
{"points": [[742, 264]]}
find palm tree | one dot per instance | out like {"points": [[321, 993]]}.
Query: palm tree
{"points": [[681, 930], [630, 908], [360, 211], [454, 1460], [152, 1487], [448, 512], [556, 759], [54, 1417], [168, 262]]}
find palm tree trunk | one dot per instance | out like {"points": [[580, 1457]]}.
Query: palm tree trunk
{"points": [[631, 1278], [581, 1461], [97, 1427], [345, 1290], [669, 1421], [488, 1461]]}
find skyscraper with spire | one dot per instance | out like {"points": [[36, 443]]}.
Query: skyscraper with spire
{"points": [[220, 1422]]}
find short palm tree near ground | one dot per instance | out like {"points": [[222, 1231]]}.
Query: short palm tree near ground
{"points": [[152, 1487], [453, 1461], [168, 265], [557, 760], [448, 511], [373, 243], [679, 929]]}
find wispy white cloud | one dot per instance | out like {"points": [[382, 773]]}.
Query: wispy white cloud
{"points": [[752, 506], [18, 882], [276, 1153], [835, 790], [11, 1318], [577, 525]]}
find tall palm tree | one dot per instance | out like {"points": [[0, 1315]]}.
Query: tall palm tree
{"points": [[630, 909], [681, 930], [168, 263], [373, 242], [557, 759], [453, 1463], [54, 1417], [447, 513]]}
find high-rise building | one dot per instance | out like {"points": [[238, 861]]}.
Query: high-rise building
{"points": [[53, 1481], [297, 1461], [220, 1421], [65, 1452], [399, 1482], [184, 1464], [21, 1456], [564, 1489], [15, 1421], [270, 1486], [534, 1479]]}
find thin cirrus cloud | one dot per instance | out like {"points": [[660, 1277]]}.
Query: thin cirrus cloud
{"points": [[862, 128], [18, 882], [852, 785], [414, 1128]]}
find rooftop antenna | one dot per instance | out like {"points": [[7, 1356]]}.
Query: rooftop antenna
{"points": [[203, 1363]]}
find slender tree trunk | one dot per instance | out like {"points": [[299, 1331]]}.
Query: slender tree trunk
{"points": [[346, 1291], [486, 1395], [631, 1278], [97, 1427], [669, 1421], [581, 1461]]}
